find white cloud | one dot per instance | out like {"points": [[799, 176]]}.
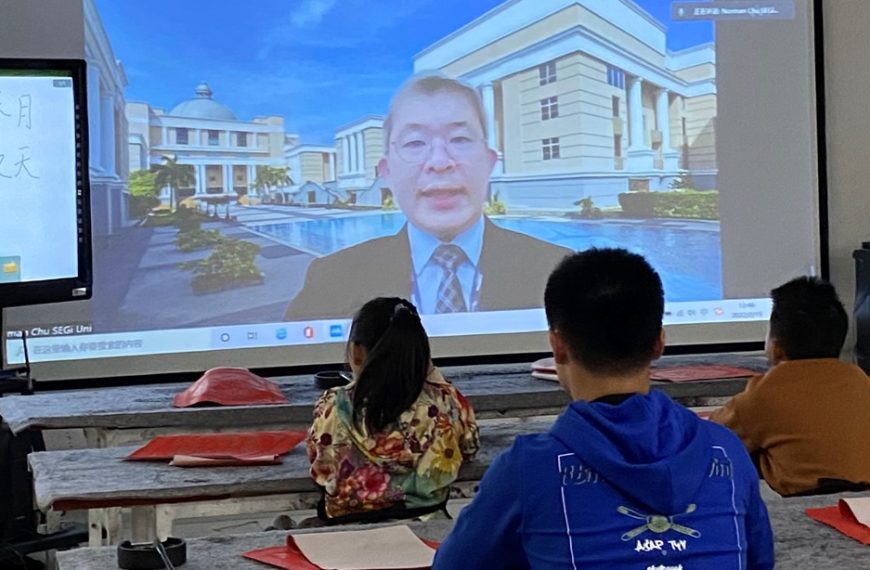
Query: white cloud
{"points": [[351, 27], [311, 12]]}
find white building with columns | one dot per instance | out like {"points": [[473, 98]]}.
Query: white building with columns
{"points": [[223, 150], [311, 167], [584, 99], [107, 127], [359, 146]]}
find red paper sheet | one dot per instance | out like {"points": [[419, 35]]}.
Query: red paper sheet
{"points": [[230, 387], [547, 364], [703, 372], [545, 368], [242, 445], [841, 518], [289, 557]]}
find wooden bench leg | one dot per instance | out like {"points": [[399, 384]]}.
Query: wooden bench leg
{"points": [[104, 526], [165, 516], [143, 524]]}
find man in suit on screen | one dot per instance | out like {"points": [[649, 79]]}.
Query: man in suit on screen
{"points": [[449, 257]]}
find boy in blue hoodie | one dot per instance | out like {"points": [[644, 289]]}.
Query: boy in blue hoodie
{"points": [[625, 478]]}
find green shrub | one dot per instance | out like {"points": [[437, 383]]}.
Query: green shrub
{"points": [[637, 204], [389, 203], [494, 206], [682, 182], [231, 264], [687, 204], [186, 219], [140, 206], [197, 239], [588, 209]]}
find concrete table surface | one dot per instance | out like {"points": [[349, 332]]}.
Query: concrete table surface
{"points": [[507, 389], [799, 541]]}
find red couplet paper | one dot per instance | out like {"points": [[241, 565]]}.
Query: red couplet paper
{"points": [[289, 557], [240, 445], [547, 364], [840, 517], [704, 372], [230, 387]]}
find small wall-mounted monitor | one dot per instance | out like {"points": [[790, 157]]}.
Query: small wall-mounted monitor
{"points": [[45, 229]]}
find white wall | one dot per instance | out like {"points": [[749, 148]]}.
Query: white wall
{"points": [[847, 69], [42, 28]]}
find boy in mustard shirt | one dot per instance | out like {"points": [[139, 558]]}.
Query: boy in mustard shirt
{"points": [[806, 422]]}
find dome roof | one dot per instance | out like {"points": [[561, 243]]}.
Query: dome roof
{"points": [[203, 106]]}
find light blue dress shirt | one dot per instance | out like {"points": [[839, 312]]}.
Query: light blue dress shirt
{"points": [[428, 274]]}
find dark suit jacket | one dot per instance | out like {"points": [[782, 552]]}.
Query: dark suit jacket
{"points": [[514, 266]]}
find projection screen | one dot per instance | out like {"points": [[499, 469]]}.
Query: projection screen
{"points": [[240, 160]]}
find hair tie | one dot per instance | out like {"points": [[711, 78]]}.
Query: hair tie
{"points": [[402, 306]]}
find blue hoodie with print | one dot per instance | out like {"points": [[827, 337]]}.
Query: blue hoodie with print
{"points": [[643, 484]]}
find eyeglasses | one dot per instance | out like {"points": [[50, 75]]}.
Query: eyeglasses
{"points": [[416, 148]]}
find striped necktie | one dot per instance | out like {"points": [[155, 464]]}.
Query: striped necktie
{"points": [[450, 298]]}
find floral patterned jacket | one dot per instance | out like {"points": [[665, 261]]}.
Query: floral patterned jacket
{"points": [[409, 464]]}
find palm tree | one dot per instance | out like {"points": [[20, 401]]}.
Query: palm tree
{"points": [[174, 175], [269, 177]]}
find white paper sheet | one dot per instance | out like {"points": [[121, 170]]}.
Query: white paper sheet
{"points": [[860, 507], [391, 547]]}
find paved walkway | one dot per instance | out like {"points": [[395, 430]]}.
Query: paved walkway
{"points": [[140, 285]]}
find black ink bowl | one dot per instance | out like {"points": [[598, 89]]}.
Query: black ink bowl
{"points": [[327, 379], [144, 556]]}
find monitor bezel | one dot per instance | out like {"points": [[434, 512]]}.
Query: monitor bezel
{"points": [[79, 287]]}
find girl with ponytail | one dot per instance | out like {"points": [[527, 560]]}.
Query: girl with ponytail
{"points": [[390, 443]]}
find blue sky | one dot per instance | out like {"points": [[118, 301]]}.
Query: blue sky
{"points": [[318, 63]]}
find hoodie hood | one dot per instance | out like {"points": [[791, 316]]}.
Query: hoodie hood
{"points": [[647, 447]]}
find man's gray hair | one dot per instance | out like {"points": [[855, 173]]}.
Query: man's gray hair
{"points": [[430, 83]]}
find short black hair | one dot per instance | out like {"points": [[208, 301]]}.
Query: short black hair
{"points": [[608, 305], [808, 320]]}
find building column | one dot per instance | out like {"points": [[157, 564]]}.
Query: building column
{"points": [[670, 156], [164, 132], [252, 175], [356, 157], [640, 155], [361, 141], [487, 94], [94, 111], [107, 132], [228, 178], [200, 179], [663, 121], [635, 113], [332, 175], [229, 142]]}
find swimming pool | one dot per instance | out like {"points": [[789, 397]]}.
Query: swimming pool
{"points": [[686, 254]]}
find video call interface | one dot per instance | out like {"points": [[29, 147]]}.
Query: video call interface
{"points": [[237, 187]]}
